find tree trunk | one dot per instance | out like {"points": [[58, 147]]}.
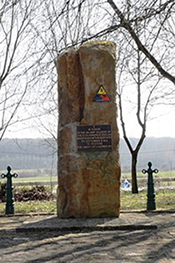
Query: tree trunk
{"points": [[134, 173]]}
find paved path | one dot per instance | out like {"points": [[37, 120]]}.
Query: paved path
{"points": [[133, 237]]}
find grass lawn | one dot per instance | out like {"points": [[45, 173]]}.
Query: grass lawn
{"points": [[165, 200], [32, 207]]}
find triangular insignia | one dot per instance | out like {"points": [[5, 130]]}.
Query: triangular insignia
{"points": [[101, 91], [101, 95]]}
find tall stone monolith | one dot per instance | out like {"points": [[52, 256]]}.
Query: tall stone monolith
{"points": [[88, 138]]}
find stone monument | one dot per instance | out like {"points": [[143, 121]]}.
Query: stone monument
{"points": [[88, 138]]}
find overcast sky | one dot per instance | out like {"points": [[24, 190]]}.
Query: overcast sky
{"points": [[163, 125]]}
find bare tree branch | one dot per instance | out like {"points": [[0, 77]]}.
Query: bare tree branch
{"points": [[126, 24]]}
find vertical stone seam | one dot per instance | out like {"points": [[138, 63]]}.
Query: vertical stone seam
{"points": [[81, 97], [81, 94]]}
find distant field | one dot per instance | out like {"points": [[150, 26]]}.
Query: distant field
{"points": [[32, 175], [48, 179], [159, 174], [35, 179], [123, 175], [24, 173]]}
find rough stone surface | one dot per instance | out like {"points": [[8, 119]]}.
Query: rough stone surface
{"points": [[88, 181]]}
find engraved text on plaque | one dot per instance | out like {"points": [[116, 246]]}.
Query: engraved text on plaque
{"points": [[94, 138]]}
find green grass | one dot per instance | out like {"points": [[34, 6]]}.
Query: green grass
{"points": [[35, 206], [32, 207], [165, 200], [131, 201]]}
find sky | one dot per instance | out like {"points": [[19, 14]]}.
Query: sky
{"points": [[163, 125]]}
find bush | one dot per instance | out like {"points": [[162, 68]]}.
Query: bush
{"points": [[35, 193], [2, 192], [24, 194]]}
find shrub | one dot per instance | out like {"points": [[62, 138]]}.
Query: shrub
{"points": [[27, 194], [2, 192], [35, 193]]}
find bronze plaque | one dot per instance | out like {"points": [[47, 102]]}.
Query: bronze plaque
{"points": [[94, 138]]}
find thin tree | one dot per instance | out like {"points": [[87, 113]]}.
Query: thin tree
{"points": [[131, 34], [56, 28], [14, 56], [141, 107], [167, 8]]}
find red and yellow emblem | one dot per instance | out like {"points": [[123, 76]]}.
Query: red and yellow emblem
{"points": [[101, 95]]}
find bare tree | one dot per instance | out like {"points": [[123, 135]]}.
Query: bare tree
{"points": [[72, 22], [147, 27], [144, 86], [142, 29], [166, 9], [56, 28], [15, 53]]}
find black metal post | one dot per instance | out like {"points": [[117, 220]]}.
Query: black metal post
{"points": [[151, 204], [9, 191]]}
